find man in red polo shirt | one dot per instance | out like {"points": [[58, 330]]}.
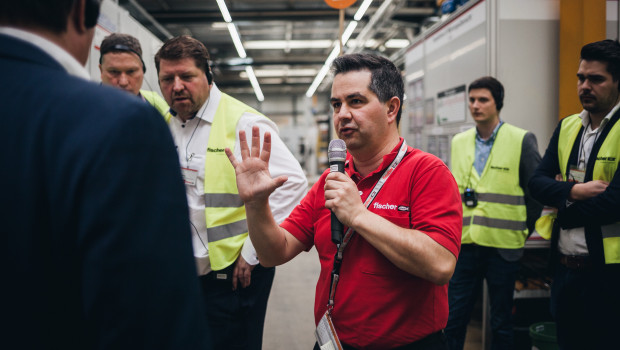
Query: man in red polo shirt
{"points": [[391, 291]]}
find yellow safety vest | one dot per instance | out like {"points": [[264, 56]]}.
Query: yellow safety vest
{"points": [[158, 102], [224, 210], [499, 219], [605, 167]]}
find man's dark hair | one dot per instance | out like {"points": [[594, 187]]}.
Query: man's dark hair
{"points": [[494, 86], [386, 80], [117, 42], [112, 41], [185, 47], [45, 14], [607, 51]]}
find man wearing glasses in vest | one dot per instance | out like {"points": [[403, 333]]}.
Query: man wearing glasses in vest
{"points": [[204, 122], [579, 176], [492, 164]]}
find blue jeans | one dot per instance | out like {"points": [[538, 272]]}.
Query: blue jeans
{"points": [[476, 263]]}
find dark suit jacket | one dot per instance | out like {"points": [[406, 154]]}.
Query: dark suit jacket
{"points": [[589, 214], [96, 249]]}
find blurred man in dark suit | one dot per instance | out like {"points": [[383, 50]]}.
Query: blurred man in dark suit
{"points": [[96, 241]]}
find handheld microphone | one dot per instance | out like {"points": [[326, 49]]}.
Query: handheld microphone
{"points": [[336, 154]]}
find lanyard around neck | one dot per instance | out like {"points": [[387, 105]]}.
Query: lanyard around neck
{"points": [[347, 237]]}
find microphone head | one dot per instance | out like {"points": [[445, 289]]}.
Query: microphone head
{"points": [[337, 151]]}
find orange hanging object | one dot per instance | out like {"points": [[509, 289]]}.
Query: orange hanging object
{"points": [[340, 4]]}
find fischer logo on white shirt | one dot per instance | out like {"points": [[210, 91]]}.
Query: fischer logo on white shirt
{"points": [[390, 206]]}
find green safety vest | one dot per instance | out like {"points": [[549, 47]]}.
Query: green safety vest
{"points": [[605, 167], [499, 219], [224, 210], [156, 101]]}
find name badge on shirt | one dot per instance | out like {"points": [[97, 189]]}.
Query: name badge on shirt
{"points": [[326, 335], [189, 176], [576, 175]]}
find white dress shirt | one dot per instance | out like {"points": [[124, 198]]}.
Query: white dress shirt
{"points": [[68, 62], [192, 138], [573, 241]]}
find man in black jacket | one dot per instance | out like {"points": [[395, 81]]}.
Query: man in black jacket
{"points": [[579, 176], [96, 250]]}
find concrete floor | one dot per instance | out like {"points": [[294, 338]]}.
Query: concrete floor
{"points": [[289, 324]]}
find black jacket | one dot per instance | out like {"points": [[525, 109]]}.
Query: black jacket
{"points": [[96, 245], [603, 209]]}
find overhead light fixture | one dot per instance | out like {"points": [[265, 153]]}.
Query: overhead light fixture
{"points": [[281, 73], [234, 34], [272, 81], [224, 10], [332, 56], [360, 11], [323, 72], [396, 43], [254, 82], [219, 25], [348, 32], [232, 29], [238, 61], [287, 44]]}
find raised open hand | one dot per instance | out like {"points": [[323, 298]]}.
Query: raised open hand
{"points": [[254, 181]]}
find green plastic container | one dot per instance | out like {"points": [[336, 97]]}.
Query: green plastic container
{"points": [[543, 336]]}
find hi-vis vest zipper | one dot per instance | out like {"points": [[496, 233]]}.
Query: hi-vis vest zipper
{"points": [[499, 219], [605, 167], [227, 228]]}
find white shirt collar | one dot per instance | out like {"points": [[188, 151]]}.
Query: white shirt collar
{"points": [[585, 120], [208, 109], [68, 62]]}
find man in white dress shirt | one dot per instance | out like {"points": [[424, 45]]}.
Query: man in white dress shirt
{"points": [[204, 122]]}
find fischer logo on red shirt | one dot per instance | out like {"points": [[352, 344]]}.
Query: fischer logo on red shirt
{"points": [[390, 207]]}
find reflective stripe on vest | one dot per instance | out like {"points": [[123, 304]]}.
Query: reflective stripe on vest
{"points": [[605, 167], [227, 228], [499, 219]]}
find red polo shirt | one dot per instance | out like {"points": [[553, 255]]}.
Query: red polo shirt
{"points": [[378, 305]]}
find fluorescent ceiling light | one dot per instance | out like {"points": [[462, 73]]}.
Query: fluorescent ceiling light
{"points": [[332, 56], [289, 80], [261, 73], [272, 81], [347, 32], [367, 43], [219, 25], [396, 43], [300, 80], [360, 11], [224, 10], [254, 82], [236, 40], [323, 72], [287, 44], [234, 35], [238, 61]]}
